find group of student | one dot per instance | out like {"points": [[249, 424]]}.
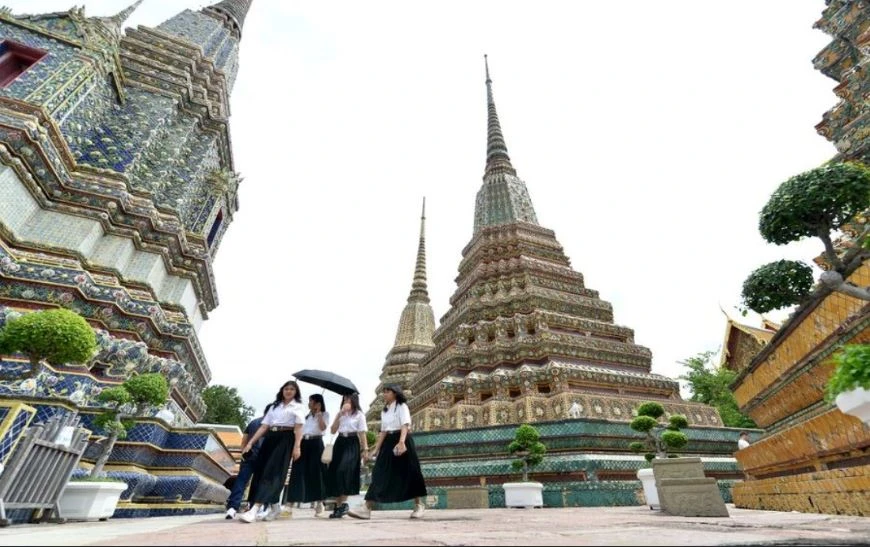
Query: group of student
{"points": [[286, 433]]}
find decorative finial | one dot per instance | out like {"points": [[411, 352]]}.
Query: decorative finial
{"points": [[419, 289], [497, 158], [124, 14]]}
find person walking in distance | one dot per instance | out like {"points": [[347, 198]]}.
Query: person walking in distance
{"points": [[282, 428], [342, 476], [246, 468], [743, 441], [308, 472], [397, 475]]}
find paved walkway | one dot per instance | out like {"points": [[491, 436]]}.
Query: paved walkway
{"points": [[567, 526]]}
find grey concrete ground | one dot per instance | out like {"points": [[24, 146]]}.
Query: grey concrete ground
{"points": [[566, 526]]}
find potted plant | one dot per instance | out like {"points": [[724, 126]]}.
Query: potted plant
{"points": [[658, 442], [529, 450], [59, 336], [849, 386], [96, 497]]}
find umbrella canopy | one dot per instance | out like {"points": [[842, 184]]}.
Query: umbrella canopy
{"points": [[327, 380]]}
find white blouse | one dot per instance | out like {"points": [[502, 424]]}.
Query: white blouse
{"points": [[353, 423], [312, 427], [394, 417], [285, 415]]}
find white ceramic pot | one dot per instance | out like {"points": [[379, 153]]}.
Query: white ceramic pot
{"points": [[855, 403], [650, 493], [90, 500], [523, 494]]}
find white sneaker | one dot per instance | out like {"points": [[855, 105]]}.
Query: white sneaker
{"points": [[360, 512], [250, 515], [231, 514], [273, 512], [418, 511], [318, 509]]}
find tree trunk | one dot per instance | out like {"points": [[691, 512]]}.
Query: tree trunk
{"points": [[525, 471], [835, 281], [825, 236], [97, 471]]}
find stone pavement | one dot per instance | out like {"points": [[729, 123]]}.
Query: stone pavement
{"points": [[564, 526]]}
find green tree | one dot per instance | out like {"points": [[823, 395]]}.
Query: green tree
{"points": [[527, 446], [710, 384], [813, 204], [134, 398], [224, 405], [59, 336]]}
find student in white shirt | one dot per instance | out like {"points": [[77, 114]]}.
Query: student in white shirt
{"points": [[282, 428], [743, 441], [397, 475], [308, 472], [342, 477]]}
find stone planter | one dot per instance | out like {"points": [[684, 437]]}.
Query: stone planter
{"points": [[523, 494], [855, 403], [650, 493], [90, 500]]}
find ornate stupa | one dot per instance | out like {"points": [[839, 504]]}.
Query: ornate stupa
{"points": [[414, 335], [117, 183], [525, 340]]}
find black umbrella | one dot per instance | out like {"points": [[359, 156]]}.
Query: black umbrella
{"points": [[327, 380]]}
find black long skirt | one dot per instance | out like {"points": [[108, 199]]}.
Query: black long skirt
{"points": [[396, 478], [273, 461], [308, 473], [342, 476]]}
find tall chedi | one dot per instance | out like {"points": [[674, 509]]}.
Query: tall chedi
{"points": [[117, 183], [413, 337], [524, 339]]}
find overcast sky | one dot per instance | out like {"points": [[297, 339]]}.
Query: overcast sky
{"points": [[649, 134]]}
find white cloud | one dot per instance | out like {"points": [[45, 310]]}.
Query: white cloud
{"points": [[649, 138]]}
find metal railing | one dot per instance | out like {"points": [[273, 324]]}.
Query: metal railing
{"points": [[37, 472]]}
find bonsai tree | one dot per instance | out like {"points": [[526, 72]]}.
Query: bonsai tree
{"points": [[59, 336], [813, 204], [659, 439], [528, 447], [131, 399], [852, 372]]}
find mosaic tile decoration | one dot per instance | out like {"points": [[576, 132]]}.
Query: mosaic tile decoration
{"points": [[14, 420]]}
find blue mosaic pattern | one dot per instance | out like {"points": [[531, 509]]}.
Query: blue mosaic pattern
{"points": [[19, 424], [59, 55], [4, 411]]}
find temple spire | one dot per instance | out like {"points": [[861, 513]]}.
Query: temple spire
{"points": [[419, 289], [124, 14], [236, 10], [497, 158]]}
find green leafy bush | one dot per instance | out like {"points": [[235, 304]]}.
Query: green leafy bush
{"points": [[815, 203], [659, 439], [852, 370], [59, 336], [140, 392], [777, 285], [528, 447]]}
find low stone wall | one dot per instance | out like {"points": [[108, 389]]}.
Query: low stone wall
{"points": [[564, 494]]}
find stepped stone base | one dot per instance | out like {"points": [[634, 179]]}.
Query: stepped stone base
{"points": [[468, 497], [835, 491]]}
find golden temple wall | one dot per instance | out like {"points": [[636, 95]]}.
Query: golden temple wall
{"points": [[814, 458]]}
